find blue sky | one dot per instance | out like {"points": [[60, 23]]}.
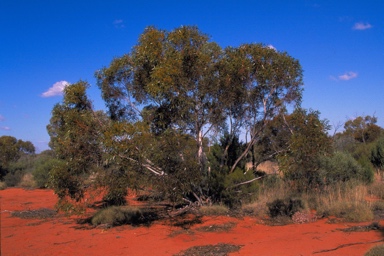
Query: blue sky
{"points": [[46, 44]]}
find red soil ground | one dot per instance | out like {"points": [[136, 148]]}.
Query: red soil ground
{"points": [[63, 236]]}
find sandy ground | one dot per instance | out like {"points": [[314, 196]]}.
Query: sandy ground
{"points": [[63, 236]]}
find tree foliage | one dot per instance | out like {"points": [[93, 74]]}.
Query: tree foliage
{"points": [[363, 129], [11, 150], [75, 139], [308, 141], [377, 154]]}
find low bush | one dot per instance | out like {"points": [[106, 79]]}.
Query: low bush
{"points": [[41, 173], [12, 179], [378, 250], [342, 167], [115, 216], [287, 207]]}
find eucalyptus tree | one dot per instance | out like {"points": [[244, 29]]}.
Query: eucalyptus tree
{"points": [[75, 139], [173, 73], [260, 82], [178, 87]]}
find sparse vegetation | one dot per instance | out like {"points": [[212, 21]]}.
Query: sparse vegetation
{"points": [[41, 213], [117, 215]]}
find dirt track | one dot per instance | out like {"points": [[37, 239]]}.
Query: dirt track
{"points": [[62, 236]]}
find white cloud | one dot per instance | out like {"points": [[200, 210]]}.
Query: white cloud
{"points": [[348, 76], [5, 128], [271, 47], [55, 90], [362, 26], [119, 23], [2, 118]]}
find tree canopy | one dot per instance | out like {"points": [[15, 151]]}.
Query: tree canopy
{"points": [[193, 86]]}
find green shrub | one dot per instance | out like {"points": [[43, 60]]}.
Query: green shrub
{"points": [[115, 216], [42, 171], [13, 178], [342, 167], [378, 250], [235, 195]]}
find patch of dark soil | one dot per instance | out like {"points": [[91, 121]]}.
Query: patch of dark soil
{"points": [[220, 249], [35, 223], [225, 227], [370, 227], [186, 221], [42, 213], [181, 232], [277, 221]]}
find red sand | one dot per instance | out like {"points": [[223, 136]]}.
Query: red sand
{"points": [[62, 236]]}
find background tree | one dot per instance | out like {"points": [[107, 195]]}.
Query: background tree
{"points": [[309, 141], [11, 149], [363, 129]]}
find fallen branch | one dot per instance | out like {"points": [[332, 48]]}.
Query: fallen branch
{"points": [[346, 245], [246, 182]]}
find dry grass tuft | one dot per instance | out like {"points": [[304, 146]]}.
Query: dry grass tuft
{"points": [[220, 249], [27, 181], [214, 210], [3, 185]]}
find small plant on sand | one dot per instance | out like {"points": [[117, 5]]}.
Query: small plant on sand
{"points": [[115, 216], [214, 210], [378, 250]]}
